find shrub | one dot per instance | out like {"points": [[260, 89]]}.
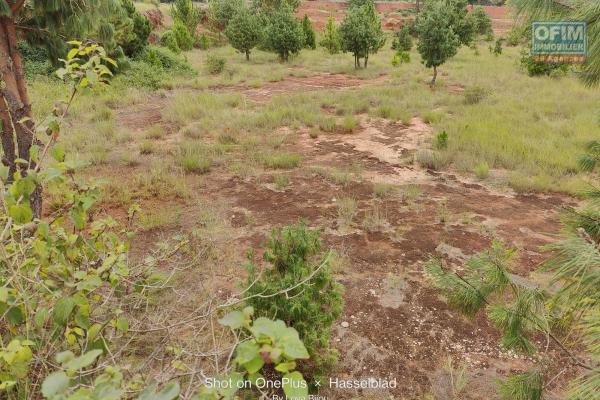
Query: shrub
{"points": [[310, 40], [244, 31], [266, 346], [203, 42], [142, 75], [214, 64], [284, 34], [497, 49], [185, 41], [169, 40], [162, 57], [535, 68], [330, 37], [402, 39], [482, 23], [222, 11], [441, 140], [401, 57], [184, 12], [137, 38], [311, 307], [35, 60]]}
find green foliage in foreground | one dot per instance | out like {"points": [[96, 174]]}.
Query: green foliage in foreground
{"points": [[265, 345], [298, 290]]}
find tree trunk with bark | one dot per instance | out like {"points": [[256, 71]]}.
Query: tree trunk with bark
{"points": [[16, 126], [434, 75]]}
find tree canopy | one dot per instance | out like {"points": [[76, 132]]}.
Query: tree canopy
{"points": [[437, 40], [361, 32]]}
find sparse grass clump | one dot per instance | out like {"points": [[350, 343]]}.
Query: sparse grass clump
{"points": [[159, 219], [328, 124], [194, 158], [281, 182], [474, 95], [147, 147], [482, 170], [282, 160], [155, 132], [375, 219], [429, 159], [349, 124], [383, 190], [347, 208]]}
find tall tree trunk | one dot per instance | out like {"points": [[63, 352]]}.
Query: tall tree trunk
{"points": [[247, 55], [366, 59], [434, 75], [17, 136]]}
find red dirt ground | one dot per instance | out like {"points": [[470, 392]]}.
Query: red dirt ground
{"points": [[319, 11], [394, 324]]}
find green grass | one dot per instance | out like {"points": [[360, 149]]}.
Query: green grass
{"points": [[533, 128], [282, 160]]}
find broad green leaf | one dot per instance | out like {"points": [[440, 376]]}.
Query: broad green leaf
{"points": [[169, 392], [3, 294], [72, 53], [54, 384], [64, 356], [62, 310], [229, 393], [286, 367], [254, 365], [58, 153], [294, 386], [246, 351], [20, 213], [83, 361], [234, 320], [293, 348], [122, 325]]}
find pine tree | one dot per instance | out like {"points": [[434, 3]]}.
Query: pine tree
{"points": [[402, 39], [361, 33], [222, 11], [285, 35], [44, 22], [244, 31], [330, 37], [437, 40], [310, 41]]}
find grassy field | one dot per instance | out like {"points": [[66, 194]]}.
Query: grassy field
{"points": [[221, 159], [525, 130]]}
